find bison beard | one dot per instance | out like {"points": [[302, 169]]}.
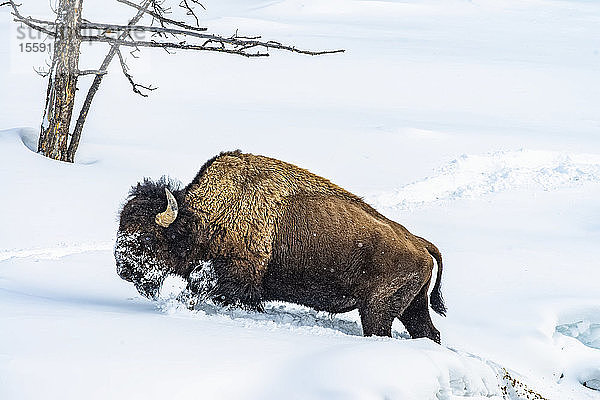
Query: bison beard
{"points": [[250, 229]]}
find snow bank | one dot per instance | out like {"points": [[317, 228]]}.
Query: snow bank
{"points": [[579, 341], [585, 331]]}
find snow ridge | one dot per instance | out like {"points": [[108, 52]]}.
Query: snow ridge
{"points": [[472, 176], [54, 253]]}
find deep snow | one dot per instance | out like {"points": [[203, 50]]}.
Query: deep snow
{"points": [[473, 123]]}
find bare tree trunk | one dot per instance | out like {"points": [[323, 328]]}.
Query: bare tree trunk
{"points": [[62, 83]]}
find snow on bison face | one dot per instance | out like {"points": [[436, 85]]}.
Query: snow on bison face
{"points": [[139, 261], [142, 250]]}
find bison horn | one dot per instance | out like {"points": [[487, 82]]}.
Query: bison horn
{"points": [[167, 217]]}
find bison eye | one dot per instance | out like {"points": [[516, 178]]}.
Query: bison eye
{"points": [[148, 238]]}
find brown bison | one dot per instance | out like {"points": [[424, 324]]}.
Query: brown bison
{"points": [[250, 229]]}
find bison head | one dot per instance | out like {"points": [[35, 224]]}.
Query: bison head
{"points": [[151, 242]]}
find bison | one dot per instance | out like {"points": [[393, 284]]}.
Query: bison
{"points": [[250, 229]]}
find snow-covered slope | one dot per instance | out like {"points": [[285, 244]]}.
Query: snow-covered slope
{"points": [[473, 123]]}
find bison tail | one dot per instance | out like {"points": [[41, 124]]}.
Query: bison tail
{"points": [[436, 299]]}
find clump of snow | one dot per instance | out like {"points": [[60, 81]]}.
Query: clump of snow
{"points": [[169, 298], [472, 176], [172, 287]]}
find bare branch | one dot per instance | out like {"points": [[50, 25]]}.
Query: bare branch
{"points": [[135, 86], [18, 15], [168, 45], [133, 28], [52, 7], [27, 22], [12, 4], [30, 22], [134, 52], [200, 4], [239, 43], [39, 21], [159, 17], [92, 72]]}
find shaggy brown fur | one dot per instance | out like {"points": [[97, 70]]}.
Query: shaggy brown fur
{"points": [[334, 255], [274, 231], [243, 197]]}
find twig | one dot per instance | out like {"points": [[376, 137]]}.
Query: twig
{"points": [[160, 11], [161, 18], [134, 86], [190, 10], [12, 4], [30, 22], [41, 72]]}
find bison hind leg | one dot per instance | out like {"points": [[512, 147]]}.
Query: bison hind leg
{"points": [[376, 317], [377, 313], [416, 318]]}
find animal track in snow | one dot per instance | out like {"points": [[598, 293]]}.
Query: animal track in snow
{"points": [[471, 176], [56, 252]]}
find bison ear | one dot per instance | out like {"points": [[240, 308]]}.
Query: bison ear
{"points": [[168, 216]]}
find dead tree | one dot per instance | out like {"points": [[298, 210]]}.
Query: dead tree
{"points": [[69, 30]]}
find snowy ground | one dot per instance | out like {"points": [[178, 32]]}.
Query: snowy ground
{"points": [[473, 123]]}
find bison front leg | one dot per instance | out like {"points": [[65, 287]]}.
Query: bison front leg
{"points": [[238, 283], [201, 283], [189, 297]]}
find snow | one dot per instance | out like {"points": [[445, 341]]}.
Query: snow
{"points": [[473, 123]]}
